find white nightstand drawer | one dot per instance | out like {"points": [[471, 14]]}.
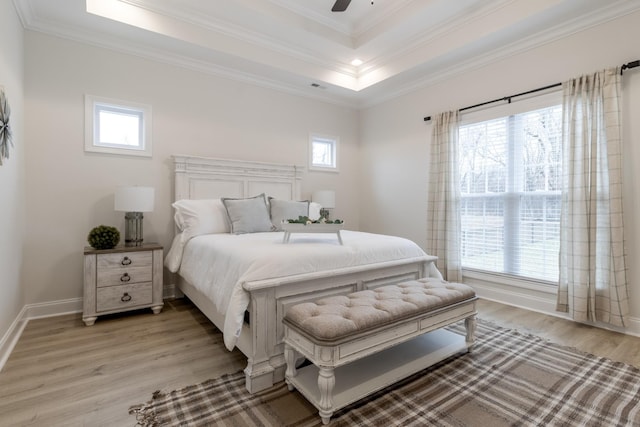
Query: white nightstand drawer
{"points": [[124, 297], [124, 260], [124, 276]]}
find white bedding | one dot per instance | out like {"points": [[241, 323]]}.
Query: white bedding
{"points": [[219, 265]]}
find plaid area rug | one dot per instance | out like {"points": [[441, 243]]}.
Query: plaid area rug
{"points": [[510, 379]]}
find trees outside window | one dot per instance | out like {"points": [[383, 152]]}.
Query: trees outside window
{"points": [[510, 184]]}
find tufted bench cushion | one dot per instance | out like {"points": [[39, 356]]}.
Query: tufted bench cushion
{"points": [[338, 317]]}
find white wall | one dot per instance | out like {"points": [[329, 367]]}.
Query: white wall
{"points": [[382, 185], [70, 191], [395, 140], [12, 186]]}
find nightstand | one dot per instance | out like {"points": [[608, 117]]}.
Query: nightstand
{"points": [[121, 279]]}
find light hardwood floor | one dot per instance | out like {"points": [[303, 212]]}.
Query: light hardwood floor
{"points": [[62, 373]]}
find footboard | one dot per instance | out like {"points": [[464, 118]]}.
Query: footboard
{"points": [[262, 337]]}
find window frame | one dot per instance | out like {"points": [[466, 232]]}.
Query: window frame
{"points": [[334, 141], [96, 104], [523, 105]]}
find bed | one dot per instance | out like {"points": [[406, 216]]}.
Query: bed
{"points": [[260, 298]]}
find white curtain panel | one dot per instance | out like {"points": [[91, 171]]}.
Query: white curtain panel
{"points": [[593, 274], [444, 197]]}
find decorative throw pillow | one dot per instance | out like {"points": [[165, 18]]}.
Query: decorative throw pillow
{"points": [[249, 215], [286, 209]]}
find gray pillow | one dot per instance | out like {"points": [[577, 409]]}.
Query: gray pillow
{"points": [[249, 215], [286, 209]]}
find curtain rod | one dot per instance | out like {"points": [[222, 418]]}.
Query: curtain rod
{"points": [[626, 66]]}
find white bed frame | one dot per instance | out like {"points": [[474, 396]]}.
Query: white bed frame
{"points": [[261, 339]]}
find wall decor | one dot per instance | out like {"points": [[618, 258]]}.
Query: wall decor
{"points": [[5, 130]]}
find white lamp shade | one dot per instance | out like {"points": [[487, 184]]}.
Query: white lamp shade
{"points": [[134, 199], [326, 198]]}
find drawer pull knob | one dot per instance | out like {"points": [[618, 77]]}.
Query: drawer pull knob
{"points": [[126, 297], [126, 261], [125, 277]]}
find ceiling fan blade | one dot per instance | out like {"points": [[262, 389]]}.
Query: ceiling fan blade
{"points": [[340, 5]]}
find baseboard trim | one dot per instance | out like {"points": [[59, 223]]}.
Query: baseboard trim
{"points": [[542, 304], [54, 308], [34, 311], [545, 304], [11, 337]]}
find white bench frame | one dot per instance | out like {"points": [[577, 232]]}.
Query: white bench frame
{"points": [[376, 358]]}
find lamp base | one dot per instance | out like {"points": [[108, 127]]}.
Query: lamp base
{"points": [[324, 213], [133, 228]]}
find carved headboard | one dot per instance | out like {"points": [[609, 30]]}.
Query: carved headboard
{"points": [[210, 178]]}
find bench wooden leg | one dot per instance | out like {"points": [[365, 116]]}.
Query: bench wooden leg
{"points": [[290, 359], [470, 326], [326, 381]]}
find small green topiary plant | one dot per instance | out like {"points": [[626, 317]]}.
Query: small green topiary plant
{"points": [[306, 220], [103, 237]]}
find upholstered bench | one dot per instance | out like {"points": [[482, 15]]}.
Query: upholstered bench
{"points": [[383, 335]]}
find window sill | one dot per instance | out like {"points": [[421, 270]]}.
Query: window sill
{"points": [[323, 169], [511, 281]]}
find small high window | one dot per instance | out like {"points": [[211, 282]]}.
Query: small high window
{"points": [[323, 153], [117, 127]]}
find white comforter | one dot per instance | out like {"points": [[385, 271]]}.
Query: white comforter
{"points": [[220, 264]]}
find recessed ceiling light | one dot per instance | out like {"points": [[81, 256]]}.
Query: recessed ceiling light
{"points": [[357, 62]]}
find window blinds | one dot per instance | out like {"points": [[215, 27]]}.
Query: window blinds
{"points": [[510, 182]]}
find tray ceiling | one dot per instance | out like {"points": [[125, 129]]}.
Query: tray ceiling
{"points": [[300, 46]]}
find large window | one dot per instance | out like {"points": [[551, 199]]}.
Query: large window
{"points": [[510, 187]]}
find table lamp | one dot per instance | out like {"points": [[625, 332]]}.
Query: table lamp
{"points": [[134, 200], [326, 199]]}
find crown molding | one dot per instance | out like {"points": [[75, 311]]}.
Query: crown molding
{"points": [[145, 52], [432, 34], [334, 95], [353, 31], [25, 12], [244, 35], [559, 32], [378, 18], [311, 15]]}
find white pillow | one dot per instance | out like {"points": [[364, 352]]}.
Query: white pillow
{"points": [[193, 218], [286, 209], [249, 215], [201, 216]]}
